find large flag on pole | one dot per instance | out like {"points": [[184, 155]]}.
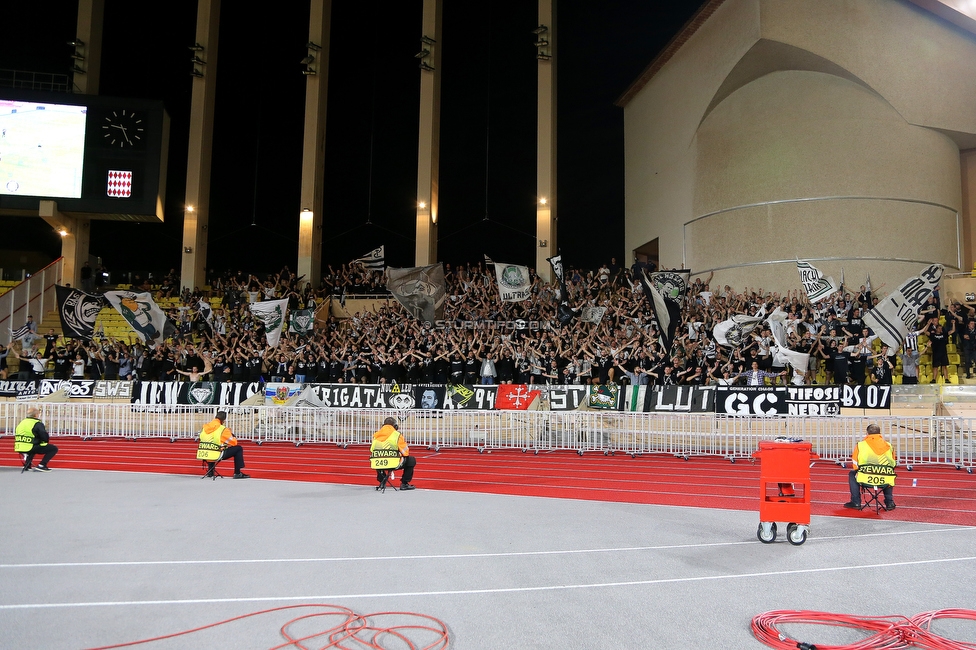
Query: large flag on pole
{"points": [[420, 289], [671, 284], [141, 313], [78, 311], [783, 355], [734, 331], [375, 259], [896, 315], [514, 284], [814, 283], [565, 313], [271, 314], [666, 310]]}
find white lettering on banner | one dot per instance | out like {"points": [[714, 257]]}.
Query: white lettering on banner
{"points": [[484, 398], [739, 404], [565, 399], [113, 389], [867, 397], [812, 408]]}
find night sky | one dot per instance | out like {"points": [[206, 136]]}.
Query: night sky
{"points": [[488, 119]]}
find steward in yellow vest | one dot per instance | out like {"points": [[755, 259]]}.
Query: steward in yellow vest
{"points": [[874, 464], [217, 438], [31, 438], [385, 454]]}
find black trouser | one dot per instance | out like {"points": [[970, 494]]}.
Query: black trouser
{"points": [[856, 489], [237, 454], [48, 450], [409, 462]]}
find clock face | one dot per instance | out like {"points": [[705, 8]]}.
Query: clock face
{"points": [[123, 129]]}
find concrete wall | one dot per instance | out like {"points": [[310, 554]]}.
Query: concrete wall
{"points": [[828, 130]]}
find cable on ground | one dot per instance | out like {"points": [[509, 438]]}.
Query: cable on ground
{"points": [[887, 632], [351, 631]]}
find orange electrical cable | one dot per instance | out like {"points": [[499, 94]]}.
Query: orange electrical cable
{"points": [[888, 632], [345, 635]]}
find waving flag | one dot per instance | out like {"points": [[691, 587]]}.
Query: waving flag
{"points": [[897, 314], [375, 259], [142, 314], [814, 283], [271, 314], [420, 289], [666, 310], [513, 282], [78, 311]]}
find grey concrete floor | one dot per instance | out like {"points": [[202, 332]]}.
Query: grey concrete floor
{"points": [[96, 558]]}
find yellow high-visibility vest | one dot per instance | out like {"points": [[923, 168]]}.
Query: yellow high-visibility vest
{"points": [[24, 436], [210, 448], [874, 469], [386, 454]]}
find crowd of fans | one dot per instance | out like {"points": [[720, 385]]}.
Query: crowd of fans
{"points": [[484, 340]]}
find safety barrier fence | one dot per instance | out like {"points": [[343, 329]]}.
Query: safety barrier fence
{"points": [[916, 440]]}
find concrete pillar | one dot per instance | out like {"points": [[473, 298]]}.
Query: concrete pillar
{"points": [[967, 161], [88, 48], [313, 152], [546, 245], [196, 211], [75, 237], [428, 154]]}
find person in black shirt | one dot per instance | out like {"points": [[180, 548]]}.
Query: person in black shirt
{"points": [[939, 339]]}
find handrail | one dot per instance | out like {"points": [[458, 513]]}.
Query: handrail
{"points": [[15, 304]]}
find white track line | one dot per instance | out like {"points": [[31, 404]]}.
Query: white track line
{"points": [[450, 556], [504, 590]]}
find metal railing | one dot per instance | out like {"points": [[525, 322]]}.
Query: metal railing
{"points": [[34, 296], [923, 440]]}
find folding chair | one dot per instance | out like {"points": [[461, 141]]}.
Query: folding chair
{"points": [[872, 494], [210, 466], [385, 462]]}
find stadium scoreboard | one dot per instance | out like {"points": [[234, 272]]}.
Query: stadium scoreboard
{"points": [[103, 156]]}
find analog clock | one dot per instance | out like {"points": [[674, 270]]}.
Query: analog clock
{"points": [[123, 129]]}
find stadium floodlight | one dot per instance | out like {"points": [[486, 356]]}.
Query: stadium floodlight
{"points": [[421, 54], [541, 43], [78, 57], [309, 72], [543, 57], [196, 73], [427, 40], [541, 29], [312, 46], [308, 59], [196, 47], [78, 70], [77, 43], [426, 66], [197, 61]]}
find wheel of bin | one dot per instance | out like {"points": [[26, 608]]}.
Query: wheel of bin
{"points": [[437, 448], [909, 467], [796, 535], [536, 452], [606, 452], [772, 534], [580, 452], [790, 527], [481, 450]]}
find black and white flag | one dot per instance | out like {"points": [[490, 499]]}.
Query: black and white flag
{"points": [[420, 289], [592, 314], [20, 332], [666, 310], [301, 321], [814, 283], [671, 284], [78, 311], [375, 259], [513, 280], [895, 316], [204, 309], [565, 313]]}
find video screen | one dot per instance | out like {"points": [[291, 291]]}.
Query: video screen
{"points": [[42, 148]]}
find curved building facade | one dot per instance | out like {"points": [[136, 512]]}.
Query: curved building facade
{"points": [[842, 132]]}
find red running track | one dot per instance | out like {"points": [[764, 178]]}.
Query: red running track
{"points": [[943, 495]]}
